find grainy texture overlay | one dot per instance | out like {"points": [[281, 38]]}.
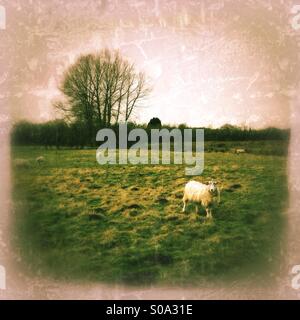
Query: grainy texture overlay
{"points": [[208, 64]]}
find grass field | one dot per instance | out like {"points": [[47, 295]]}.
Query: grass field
{"points": [[76, 219]]}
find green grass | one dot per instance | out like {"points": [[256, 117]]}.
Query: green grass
{"points": [[76, 219], [263, 147]]}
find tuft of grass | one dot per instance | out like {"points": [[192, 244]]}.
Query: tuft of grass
{"points": [[78, 220]]}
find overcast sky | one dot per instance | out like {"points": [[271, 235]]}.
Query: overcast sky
{"points": [[209, 62]]}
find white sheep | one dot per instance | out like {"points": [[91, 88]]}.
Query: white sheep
{"points": [[40, 159], [21, 163], [238, 151], [203, 194]]}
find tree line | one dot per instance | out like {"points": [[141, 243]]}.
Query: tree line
{"points": [[59, 133]]}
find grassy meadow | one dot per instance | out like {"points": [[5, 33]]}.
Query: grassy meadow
{"points": [[76, 219]]}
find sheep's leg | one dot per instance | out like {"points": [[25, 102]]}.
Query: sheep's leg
{"points": [[207, 212], [210, 213], [197, 208], [184, 205]]}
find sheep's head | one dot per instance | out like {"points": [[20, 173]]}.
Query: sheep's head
{"points": [[213, 187]]}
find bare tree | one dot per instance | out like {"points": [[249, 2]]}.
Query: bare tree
{"points": [[136, 90], [102, 89]]}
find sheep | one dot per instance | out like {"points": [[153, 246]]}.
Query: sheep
{"points": [[21, 163], [203, 194], [238, 151], [40, 159]]}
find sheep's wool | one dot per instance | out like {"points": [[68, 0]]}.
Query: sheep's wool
{"points": [[197, 192]]}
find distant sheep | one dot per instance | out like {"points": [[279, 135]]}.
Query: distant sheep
{"points": [[21, 163], [40, 160], [238, 151], [203, 194]]}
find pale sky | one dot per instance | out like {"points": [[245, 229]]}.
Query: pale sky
{"points": [[208, 62]]}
